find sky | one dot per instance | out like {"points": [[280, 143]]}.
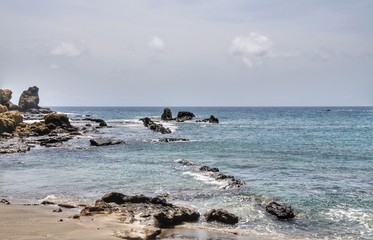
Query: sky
{"points": [[189, 53]]}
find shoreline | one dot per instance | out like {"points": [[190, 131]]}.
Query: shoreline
{"points": [[36, 221]]}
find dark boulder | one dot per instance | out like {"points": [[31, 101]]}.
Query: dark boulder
{"points": [[221, 215], [5, 96], [185, 162], [101, 122], [208, 169], [105, 142], [212, 119], [175, 215], [4, 201], [184, 116], [173, 140], [280, 210], [12, 107], [167, 115], [114, 197]]}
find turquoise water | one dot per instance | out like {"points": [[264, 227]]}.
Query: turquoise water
{"points": [[320, 162]]}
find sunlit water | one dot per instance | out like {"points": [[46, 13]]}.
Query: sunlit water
{"points": [[320, 162]]}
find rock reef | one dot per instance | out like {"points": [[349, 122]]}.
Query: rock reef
{"points": [[154, 126]]}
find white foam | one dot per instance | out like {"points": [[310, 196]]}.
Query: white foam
{"points": [[361, 216], [205, 178], [31, 121]]}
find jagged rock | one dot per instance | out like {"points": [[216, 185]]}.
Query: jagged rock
{"points": [[53, 141], [208, 169], [149, 211], [58, 119], [212, 119], [29, 99], [105, 142], [5, 96], [3, 108], [154, 126], [9, 121], [4, 201], [184, 116], [221, 215], [280, 210], [166, 115]]}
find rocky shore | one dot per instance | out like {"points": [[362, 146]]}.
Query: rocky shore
{"points": [[27, 125]]}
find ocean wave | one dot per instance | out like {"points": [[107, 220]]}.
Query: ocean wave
{"points": [[205, 178]]}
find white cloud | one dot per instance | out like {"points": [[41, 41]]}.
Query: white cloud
{"points": [[68, 50], [54, 66], [322, 54], [253, 49], [156, 43]]}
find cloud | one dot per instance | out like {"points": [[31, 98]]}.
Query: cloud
{"points": [[156, 43], [68, 50], [322, 54], [253, 49]]}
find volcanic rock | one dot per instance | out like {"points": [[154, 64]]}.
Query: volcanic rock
{"points": [[221, 215], [212, 119], [166, 115], [5, 96], [280, 210], [184, 116], [154, 126]]}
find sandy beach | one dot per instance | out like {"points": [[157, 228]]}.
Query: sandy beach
{"points": [[24, 222]]}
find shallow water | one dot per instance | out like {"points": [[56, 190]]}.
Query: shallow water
{"points": [[320, 162]]}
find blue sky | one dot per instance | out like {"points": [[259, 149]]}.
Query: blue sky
{"points": [[189, 53]]}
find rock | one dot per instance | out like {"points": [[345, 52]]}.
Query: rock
{"points": [[185, 162], [105, 142], [175, 216], [9, 121], [53, 141], [149, 211], [29, 99], [208, 169], [47, 203], [221, 215], [13, 145], [66, 205], [154, 126], [5, 96], [12, 107], [212, 119], [3, 108], [4, 201], [166, 115], [101, 122], [57, 210], [280, 210], [173, 140], [58, 119], [138, 233], [184, 116]]}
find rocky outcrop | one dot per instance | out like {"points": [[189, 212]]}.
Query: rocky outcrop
{"points": [[280, 210], [173, 140], [184, 116], [151, 212], [212, 119], [232, 182], [208, 169], [105, 142], [9, 121], [221, 215], [5, 96], [3, 108], [57, 119], [101, 122], [154, 126], [29, 99], [12, 107], [167, 115]]}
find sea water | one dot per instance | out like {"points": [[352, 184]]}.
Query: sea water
{"points": [[318, 160]]}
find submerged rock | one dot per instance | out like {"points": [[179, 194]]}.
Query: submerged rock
{"points": [[105, 142], [212, 119], [185, 162], [208, 169], [221, 215], [280, 210], [173, 140], [167, 115]]}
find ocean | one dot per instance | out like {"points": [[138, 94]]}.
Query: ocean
{"points": [[319, 160]]}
